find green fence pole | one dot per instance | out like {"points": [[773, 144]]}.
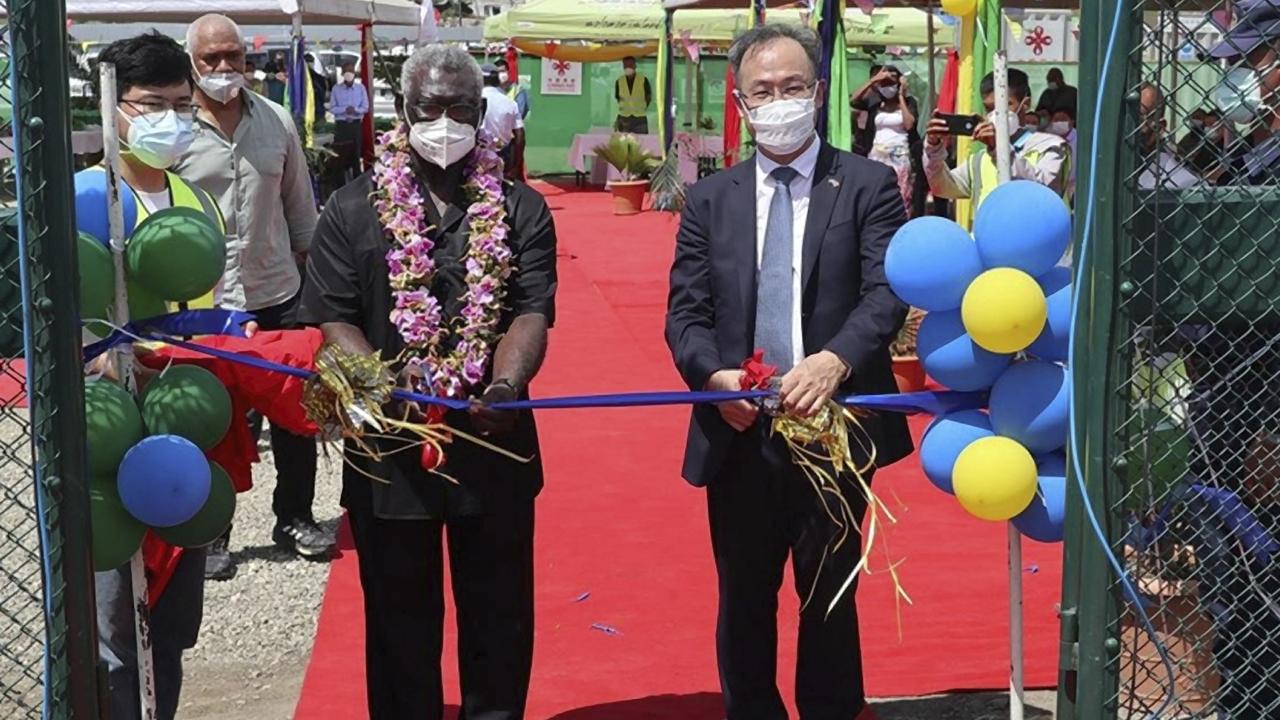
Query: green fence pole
{"points": [[55, 388], [1091, 610]]}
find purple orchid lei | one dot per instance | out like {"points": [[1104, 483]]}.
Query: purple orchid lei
{"points": [[454, 354]]}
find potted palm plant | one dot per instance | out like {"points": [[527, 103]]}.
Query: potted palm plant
{"points": [[907, 369], [633, 165]]}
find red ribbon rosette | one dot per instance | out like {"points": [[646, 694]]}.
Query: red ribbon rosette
{"points": [[757, 373]]}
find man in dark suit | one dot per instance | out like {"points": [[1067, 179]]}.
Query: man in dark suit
{"points": [[801, 277]]}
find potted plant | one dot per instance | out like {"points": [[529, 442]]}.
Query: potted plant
{"points": [[633, 165], [907, 369]]}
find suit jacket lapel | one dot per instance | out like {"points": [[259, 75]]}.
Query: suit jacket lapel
{"points": [[822, 201], [743, 234]]}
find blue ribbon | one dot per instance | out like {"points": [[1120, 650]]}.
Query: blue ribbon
{"points": [[933, 403], [184, 323]]}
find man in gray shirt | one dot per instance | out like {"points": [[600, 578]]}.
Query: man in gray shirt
{"points": [[247, 155]]}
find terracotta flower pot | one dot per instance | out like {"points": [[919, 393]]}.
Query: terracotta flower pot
{"points": [[628, 196], [909, 373], [1187, 632]]}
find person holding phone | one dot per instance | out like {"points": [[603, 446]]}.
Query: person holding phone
{"points": [[887, 132], [1037, 156]]}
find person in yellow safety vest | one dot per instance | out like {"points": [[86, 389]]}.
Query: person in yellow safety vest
{"points": [[1037, 156], [511, 81], [154, 119], [634, 95]]}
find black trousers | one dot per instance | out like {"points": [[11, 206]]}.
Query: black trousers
{"points": [[402, 575], [295, 455], [762, 509]]}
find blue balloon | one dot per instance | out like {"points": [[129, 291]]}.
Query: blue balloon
{"points": [[1044, 520], [930, 263], [1055, 339], [952, 358], [91, 205], [945, 438], [1024, 225], [164, 480], [1030, 404]]}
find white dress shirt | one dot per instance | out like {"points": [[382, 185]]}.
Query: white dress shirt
{"points": [[501, 115], [801, 188]]}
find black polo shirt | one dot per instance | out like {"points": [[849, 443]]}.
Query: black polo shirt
{"points": [[347, 282]]}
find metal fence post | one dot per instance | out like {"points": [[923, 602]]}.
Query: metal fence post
{"points": [[42, 125]]}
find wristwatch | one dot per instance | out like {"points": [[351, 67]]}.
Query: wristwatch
{"points": [[507, 384]]}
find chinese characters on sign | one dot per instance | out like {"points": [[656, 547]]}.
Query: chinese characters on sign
{"points": [[560, 77]]}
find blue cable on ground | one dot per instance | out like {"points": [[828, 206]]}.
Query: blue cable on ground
{"points": [[1086, 236]]}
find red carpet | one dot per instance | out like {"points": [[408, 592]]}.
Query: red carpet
{"points": [[625, 584]]}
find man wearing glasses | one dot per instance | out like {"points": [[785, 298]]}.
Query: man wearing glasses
{"points": [[154, 120], [421, 314], [802, 279], [247, 153]]}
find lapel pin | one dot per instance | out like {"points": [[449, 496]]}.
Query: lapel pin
{"points": [[834, 182]]}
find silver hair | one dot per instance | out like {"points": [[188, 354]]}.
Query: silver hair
{"points": [[193, 30], [762, 35], [441, 58]]}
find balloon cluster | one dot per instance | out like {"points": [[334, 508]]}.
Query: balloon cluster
{"points": [[148, 466], [999, 318], [147, 459], [173, 255]]}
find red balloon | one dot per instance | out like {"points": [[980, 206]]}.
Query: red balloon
{"points": [[432, 456]]}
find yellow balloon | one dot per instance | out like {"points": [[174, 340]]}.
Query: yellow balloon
{"points": [[1004, 310], [994, 478], [960, 8]]}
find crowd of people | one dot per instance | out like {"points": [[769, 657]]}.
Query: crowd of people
{"points": [[464, 287]]}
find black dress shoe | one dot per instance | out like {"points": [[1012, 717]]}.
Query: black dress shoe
{"points": [[304, 538], [218, 563]]}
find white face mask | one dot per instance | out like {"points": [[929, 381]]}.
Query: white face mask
{"points": [[348, 78], [888, 92], [1053, 86], [1239, 96], [504, 77], [783, 126], [159, 139], [442, 142], [1014, 116], [221, 87], [1062, 128]]}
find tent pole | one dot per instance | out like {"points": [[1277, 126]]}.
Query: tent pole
{"points": [[366, 77]]}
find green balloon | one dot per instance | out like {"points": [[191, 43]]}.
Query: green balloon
{"points": [[97, 276], [177, 254], [190, 402], [116, 535], [213, 519], [1158, 456], [112, 423], [142, 304]]}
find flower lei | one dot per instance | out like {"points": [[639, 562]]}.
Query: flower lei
{"points": [[454, 355]]}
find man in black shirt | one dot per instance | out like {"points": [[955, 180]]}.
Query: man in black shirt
{"points": [[488, 512], [1057, 94]]}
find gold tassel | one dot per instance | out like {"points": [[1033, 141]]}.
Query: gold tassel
{"points": [[820, 447], [346, 397]]}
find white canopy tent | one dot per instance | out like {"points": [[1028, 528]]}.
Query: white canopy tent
{"points": [[247, 12]]}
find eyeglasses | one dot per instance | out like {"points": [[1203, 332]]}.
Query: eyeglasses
{"points": [[762, 97], [185, 109], [459, 112]]}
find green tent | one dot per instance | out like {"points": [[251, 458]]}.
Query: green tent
{"points": [[606, 21]]}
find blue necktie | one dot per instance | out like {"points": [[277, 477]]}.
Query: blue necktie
{"points": [[773, 292]]}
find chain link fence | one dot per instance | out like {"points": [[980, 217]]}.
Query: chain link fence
{"points": [[47, 647], [1182, 313]]}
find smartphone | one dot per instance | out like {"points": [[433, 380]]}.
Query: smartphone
{"points": [[960, 124]]}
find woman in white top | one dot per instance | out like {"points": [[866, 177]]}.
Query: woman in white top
{"points": [[887, 126]]}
